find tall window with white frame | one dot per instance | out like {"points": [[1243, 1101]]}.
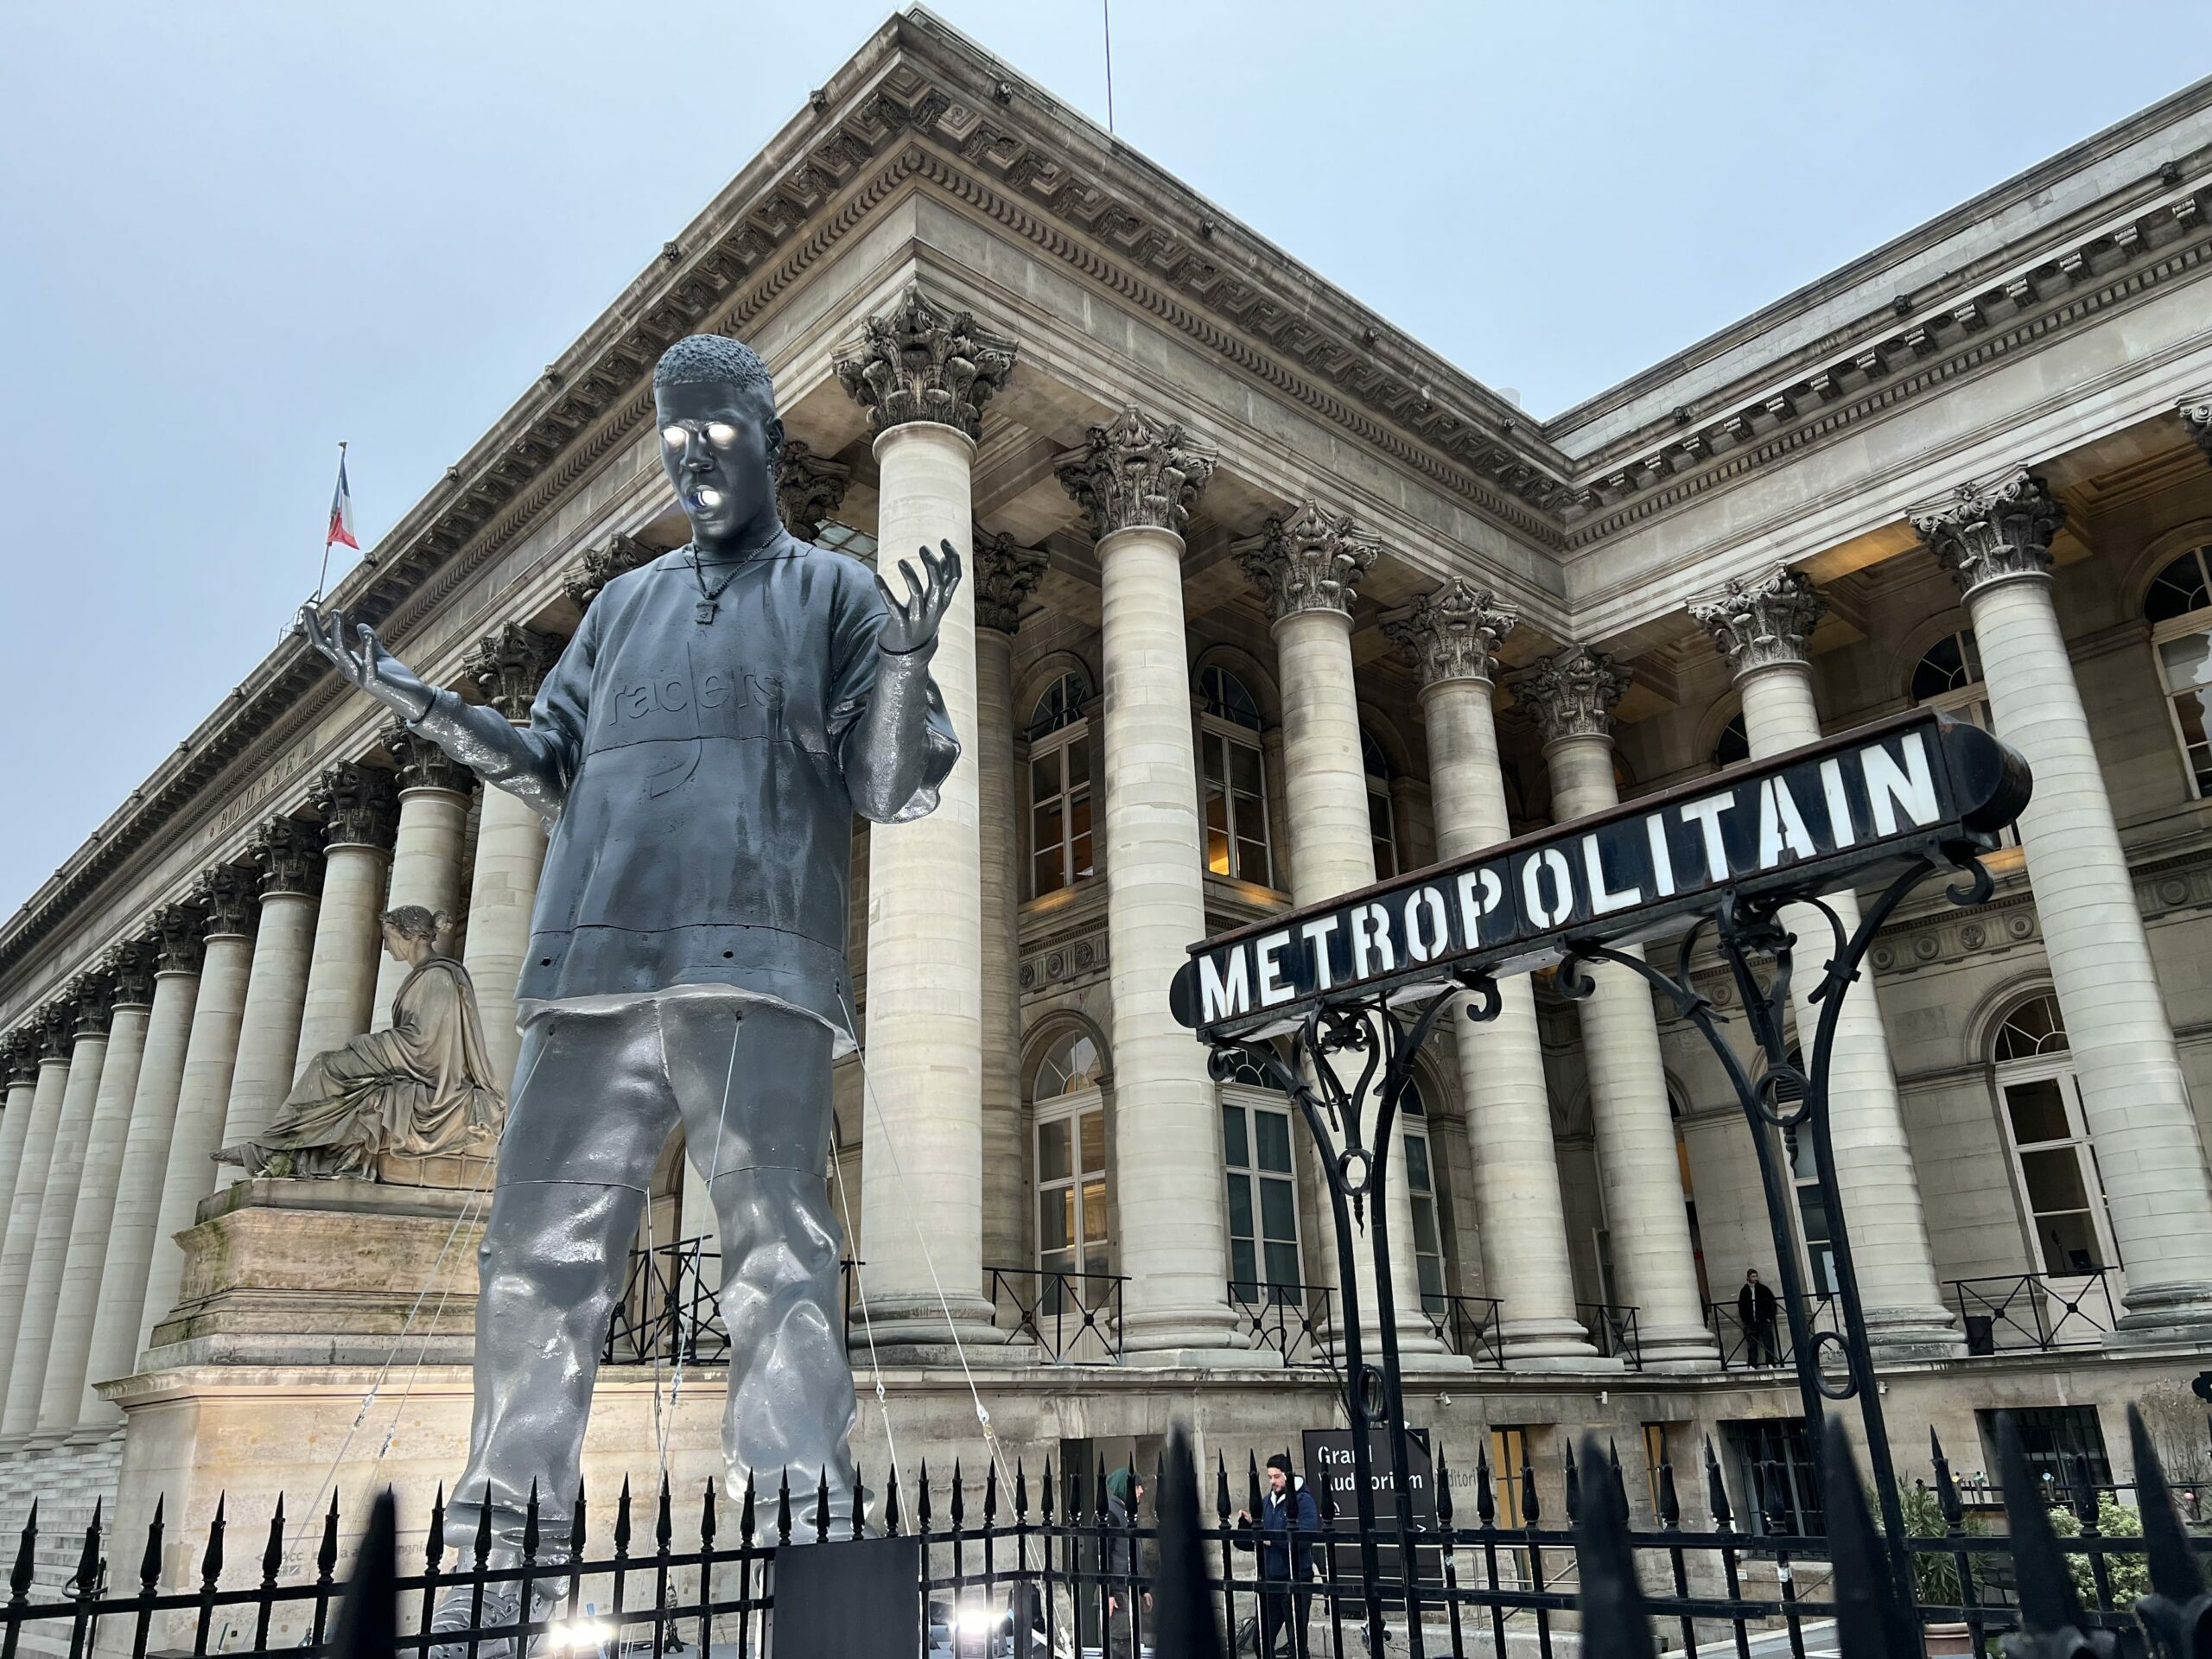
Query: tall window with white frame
{"points": [[1075, 1246], [1059, 787], [1264, 1263], [1382, 822], [1432, 1206], [2053, 1164], [1233, 779], [2178, 608]]}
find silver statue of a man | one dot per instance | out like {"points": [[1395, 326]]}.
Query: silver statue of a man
{"points": [[699, 752]]}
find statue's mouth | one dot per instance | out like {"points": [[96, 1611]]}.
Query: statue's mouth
{"points": [[704, 498]]}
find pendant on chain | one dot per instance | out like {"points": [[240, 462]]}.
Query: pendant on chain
{"points": [[704, 612]]}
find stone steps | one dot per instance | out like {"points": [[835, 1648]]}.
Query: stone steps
{"points": [[70, 1478]]}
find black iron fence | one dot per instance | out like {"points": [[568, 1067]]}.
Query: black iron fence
{"points": [[2035, 1313], [1295, 1321], [1073, 1317], [1755, 1346], [1468, 1325], [1611, 1327], [1012, 1566]]}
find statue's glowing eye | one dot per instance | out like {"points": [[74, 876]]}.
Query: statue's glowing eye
{"points": [[721, 432], [673, 436]]}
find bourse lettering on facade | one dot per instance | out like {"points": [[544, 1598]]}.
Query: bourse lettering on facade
{"points": [[1844, 807]]}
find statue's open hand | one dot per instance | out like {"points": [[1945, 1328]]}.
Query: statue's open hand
{"points": [[359, 656], [911, 624]]}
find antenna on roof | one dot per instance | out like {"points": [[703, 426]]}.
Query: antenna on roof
{"points": [[1106, 19]]}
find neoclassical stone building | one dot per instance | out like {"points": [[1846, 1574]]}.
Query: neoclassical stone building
{"points": [[1268, 601]]}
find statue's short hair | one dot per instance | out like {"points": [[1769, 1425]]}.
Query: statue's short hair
{"points": [[713, 360], [411, 921]]}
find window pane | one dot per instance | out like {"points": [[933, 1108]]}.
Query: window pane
{"points": [[1240, 1206], [2037, 1111], [1813, 1209], [2069, 1243], [1056, 1219], [1244, 769], [1236, 1152], [1253, 863], [1210, 745], [1217, 808], [1079, 754], [1272, 1131], [1093, 1212], [1052, 1151], [2054, 1180], [1282, 1264], [1426, 1242], [1243, 1268], [1942, 669], [1081, 856], [1278, 1213], [2176, 590], [1417, 1163], [1044, 776], [1094, 1143], [2189, 712]]}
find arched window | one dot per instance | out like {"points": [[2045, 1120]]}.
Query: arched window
{"points": [[1073, 1233], [1734, 745], [2179, 609], [1432, 1206], [1265, 1265], [2053, 1164], [1059, 787], [1382, 822], [1234, 779], [1948, 677]]}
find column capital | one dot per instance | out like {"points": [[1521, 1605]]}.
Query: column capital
{"points": [[1758, 621], [424, 765], [923, 361], [2197, 415], [93, 994], [132, 966], [1453, 633], [1137, 472], [509, 665], [230, 901], [290, 852], [1995, 531], [359, 805], [1007, 573], [19, 1055], [1310, 560], [175, 933], [597, 566], [1571, 692], [56, 1029], [809, 488]]}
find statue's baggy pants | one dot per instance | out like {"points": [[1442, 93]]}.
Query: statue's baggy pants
{"points": [[600, 1093]]}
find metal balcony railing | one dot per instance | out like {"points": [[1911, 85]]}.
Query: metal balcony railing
{"points": [[1611, 1327], [2035, 1313]]}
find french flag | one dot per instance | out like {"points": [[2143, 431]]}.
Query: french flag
{"points": [[341, 510]]}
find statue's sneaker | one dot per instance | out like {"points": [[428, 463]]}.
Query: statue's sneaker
{"points": [[495, 1617]]}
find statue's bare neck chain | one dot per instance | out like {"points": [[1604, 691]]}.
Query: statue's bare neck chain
{"points": [[710, 597]]}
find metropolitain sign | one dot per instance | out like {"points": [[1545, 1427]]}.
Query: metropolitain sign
{"points": [[1816, 819]]}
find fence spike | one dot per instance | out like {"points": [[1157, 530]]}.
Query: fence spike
{"points": [[958, 1507], [745, 1513], [1774, 1497], [1102, 1516], [211, 1560], [434, 1546], [1531, 1509], [860, 1507], [88, 1559], [483, 1550], [783, 1506], [1443, 1477], [1716, 1490], [2177, 1613], [1670, 1501], [1047, 1496], [325, 1554], [991, 1493], [1184, 1623], [822, 1507], [622, 1521], [529, 1524], [922, 1501], [20, 1576], [1574, 1484], [891, 1502], [2048, 1603], [579, 1532], [1619, 1482], [1220, 1487], [707, 1519], [272, 1556], [2080, 1493], [1020, 1490], [1947, 1490], [1870, 1617], [367, 1625], [1614, 1625], [149, 1564], [1485, 1490], [1255, 1500], [664, 1518]]}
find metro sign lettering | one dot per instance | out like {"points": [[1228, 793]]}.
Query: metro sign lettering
{"points": [[1819, 818]]}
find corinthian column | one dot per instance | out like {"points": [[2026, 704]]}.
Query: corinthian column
{"points": [[1136, 481], [289, 853], [1571, 693], [809, 488], [358, 810], [508, 667], [227, 896], [1995, 541], [1005, 574], [77, 1303], [1308, 568], [19, 1061], [174, 940], [1760, 625], [1451, 638], [434, 791], [93, 995], [55, 1025], [923, 372]]}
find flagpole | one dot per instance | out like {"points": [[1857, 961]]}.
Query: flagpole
{"points": [[321, 579]]}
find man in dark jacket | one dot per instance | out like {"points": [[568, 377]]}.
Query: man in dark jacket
{"points": [[1123, 1563], [1755, 1312], [1289, 1523]]}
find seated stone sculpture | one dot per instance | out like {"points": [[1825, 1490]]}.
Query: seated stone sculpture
{"points": [[422, 1088]]}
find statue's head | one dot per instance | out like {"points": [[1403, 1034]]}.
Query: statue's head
{"points": [[409, 928], [718, 438]]}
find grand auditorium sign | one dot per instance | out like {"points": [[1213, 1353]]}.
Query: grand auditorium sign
{"points": [[1826, 816]]}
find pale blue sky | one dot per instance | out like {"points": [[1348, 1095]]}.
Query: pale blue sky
{"points": [[232, 234]]}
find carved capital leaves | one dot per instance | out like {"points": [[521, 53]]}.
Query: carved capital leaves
{"points": [[1453, 633], [923, 361], [19, 1055], [176, 934], [130, 967], [1310, 560], [809, 488], [55, 1029], [92, 992], [597, 566], [289, 853], [1571, 692], [509, 665], [358, 805], [1137, 472], [424, 765], [1758, 621], [2197, 415], [1993, 532], [1007, 573], [230, 896]]}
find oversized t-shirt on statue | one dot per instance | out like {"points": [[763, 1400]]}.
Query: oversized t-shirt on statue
{"points": [[706, 840]]}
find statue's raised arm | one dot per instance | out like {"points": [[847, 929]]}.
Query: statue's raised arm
{"points": [[358, 654]]}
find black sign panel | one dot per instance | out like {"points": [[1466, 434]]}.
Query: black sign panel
{"points": [[1329, 1467], [1814, 820]]}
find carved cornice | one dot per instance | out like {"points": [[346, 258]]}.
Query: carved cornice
{"points": [[1997, 531], [1762, 620], [358, 805], [1571, 693], [1453, 633], [290, 852], [130, 966], [2197, 415], [509, 665], [1007, 573], [424, 765], [809, 488], [597, 566], [1311, 561], [177, 934], [925, 361], [230, 899], [1137, 472]]}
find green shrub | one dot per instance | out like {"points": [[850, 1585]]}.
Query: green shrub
{"points": [[2130, 1575]]}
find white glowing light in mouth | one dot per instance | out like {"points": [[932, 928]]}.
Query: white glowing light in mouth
{"points": [[706, 499]]}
